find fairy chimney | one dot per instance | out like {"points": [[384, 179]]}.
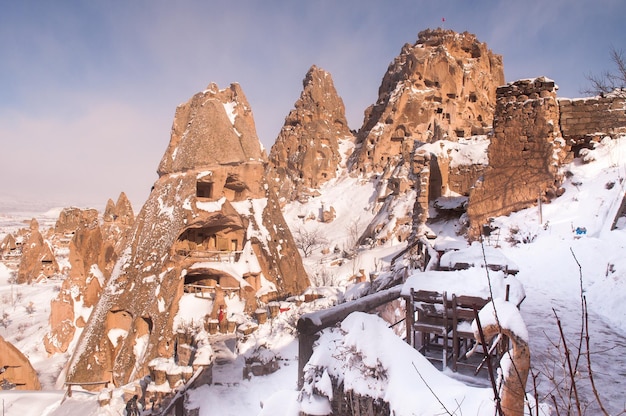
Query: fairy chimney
{"points": [[37, 260], [90, 266], [306, 152], [209, 221], [18, 371], [120, 212]]}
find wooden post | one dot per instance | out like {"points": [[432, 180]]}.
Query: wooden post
{"points": [[410, 315], [305, 351], [540, 208]]}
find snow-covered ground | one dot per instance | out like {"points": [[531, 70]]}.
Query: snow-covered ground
{"points": [[543, 245]]}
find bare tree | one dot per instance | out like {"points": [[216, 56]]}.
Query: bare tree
{"points": [[308, 240], [353, 231], [607, 82]]}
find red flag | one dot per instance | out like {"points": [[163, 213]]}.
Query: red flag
{"points": [[443, 19]]}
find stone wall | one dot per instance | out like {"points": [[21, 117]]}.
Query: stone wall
{"points": [[584, 120], [524, 155]]}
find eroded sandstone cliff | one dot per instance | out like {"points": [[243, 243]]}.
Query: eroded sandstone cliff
{"points": [[441, 87], [306, 153], [439, 90], [210, 221]]}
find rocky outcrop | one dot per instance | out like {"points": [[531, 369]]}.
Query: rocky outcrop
{"points": [[120, 212], [71, 218], [210, 222], [306, 153], [90, 266], [442, 87], [17, 371], [435, 95], [37, 261], [525, 154]]}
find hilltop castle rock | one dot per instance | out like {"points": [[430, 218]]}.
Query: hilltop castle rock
{"points": [[306, 152], [442, 87], [210, 222]]}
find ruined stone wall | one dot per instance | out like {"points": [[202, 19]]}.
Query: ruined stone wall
{"points": [[524, 155], [583, 119]]}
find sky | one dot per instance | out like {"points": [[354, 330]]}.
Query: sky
{"points": [[88, 89]]}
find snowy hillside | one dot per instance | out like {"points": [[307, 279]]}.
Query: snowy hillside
{"points": [[544, 244]]}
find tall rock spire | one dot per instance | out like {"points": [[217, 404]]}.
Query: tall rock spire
{"points": [[208, 222], [306, 153]]}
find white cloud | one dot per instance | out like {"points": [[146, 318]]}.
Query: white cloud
{"points": [[108, 76]]}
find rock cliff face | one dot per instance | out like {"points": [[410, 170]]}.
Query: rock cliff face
{"points": [[439, 90], [37, 261], [18, 372], [442, 87], [92, 255], [525, 153], [209, 222], [306, 152]]}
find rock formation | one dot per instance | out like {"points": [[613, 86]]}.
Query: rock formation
{"points": [[442, 87], [93, 251], [439, 90], [209, 222], [120, 212], [117, 220], [525, 154], [306, 153], [37, 259], [8, 247], [17, 372], [89, 262], [71, 218]]}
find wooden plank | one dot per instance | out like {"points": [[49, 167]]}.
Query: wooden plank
{"points": [[313, 322]]}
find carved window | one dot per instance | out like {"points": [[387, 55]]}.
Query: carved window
{"points": [[204, 189]]}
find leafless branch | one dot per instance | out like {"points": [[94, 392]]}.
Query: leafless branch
{"points": [[588, 354], [431, 390], [568, 360], [607, 81], [308, 240]]}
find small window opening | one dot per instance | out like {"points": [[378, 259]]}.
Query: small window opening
{"points": [[204, 189]]}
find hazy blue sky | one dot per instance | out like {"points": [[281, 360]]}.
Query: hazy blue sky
{"points": [[88, 88]]}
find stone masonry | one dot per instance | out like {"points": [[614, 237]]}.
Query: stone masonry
{"points": [[525, 153], [586, 120]]}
